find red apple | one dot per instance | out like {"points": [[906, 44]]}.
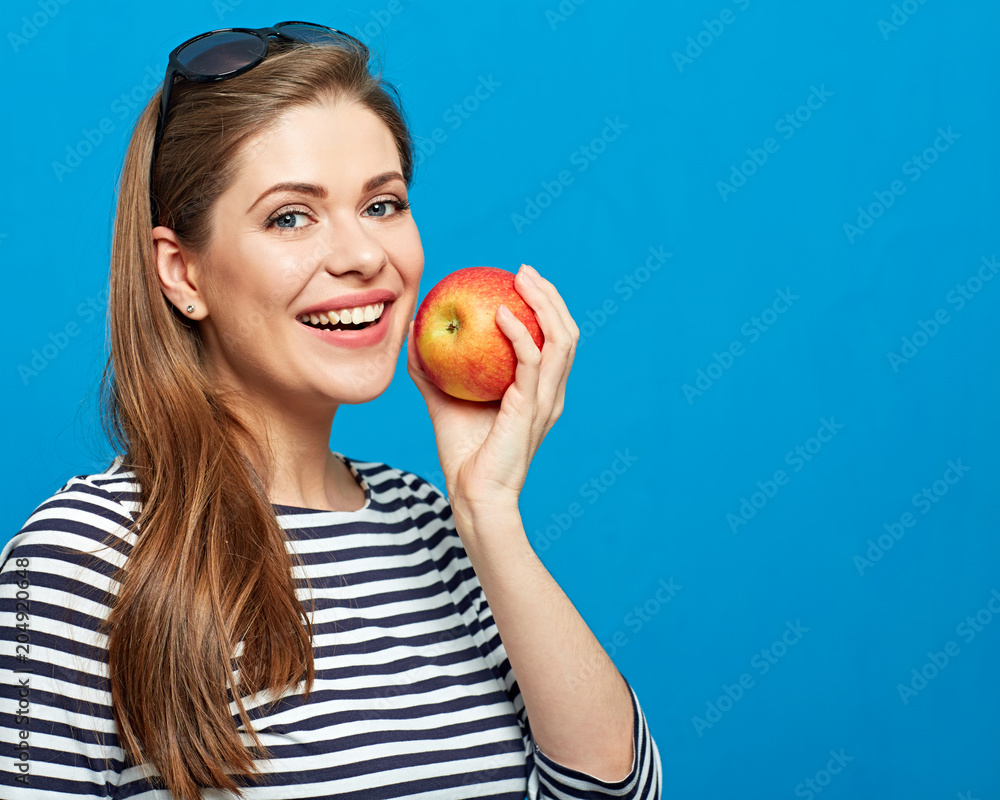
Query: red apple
{"points": [[459, 344]]}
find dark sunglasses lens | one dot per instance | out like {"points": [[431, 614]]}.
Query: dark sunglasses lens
{"points": [[222, 53], [316, 34]]}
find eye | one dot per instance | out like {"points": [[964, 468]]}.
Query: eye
{"points": [[380, 207], [285, 219]]}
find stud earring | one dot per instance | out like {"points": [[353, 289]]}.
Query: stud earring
{"points": [[190, 309]]}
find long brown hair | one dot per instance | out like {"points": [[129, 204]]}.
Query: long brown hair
{"points": [[209, 567]]}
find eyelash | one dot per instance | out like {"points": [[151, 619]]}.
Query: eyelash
{"points": [[401, 206]]}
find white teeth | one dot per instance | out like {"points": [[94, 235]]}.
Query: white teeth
{"points": [[347, 316]]}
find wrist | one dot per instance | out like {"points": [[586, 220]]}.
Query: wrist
{"points": [[472, 515], [490, 530], [475, 508]]}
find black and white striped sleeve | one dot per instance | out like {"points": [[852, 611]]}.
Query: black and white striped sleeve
{"points": [[547, 779], [57, 733]]}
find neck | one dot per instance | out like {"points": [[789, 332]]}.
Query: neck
{"points": [[301, 471]]}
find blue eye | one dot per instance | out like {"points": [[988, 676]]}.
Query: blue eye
{"points": [[287, 220], [379, 206]]}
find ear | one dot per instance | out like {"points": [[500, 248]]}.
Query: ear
{"points": [[178, 272]]}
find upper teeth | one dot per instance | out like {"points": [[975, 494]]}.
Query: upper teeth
{"points": [[346, 315]]}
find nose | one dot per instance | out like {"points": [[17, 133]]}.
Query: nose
{"points": [[350, 247]]}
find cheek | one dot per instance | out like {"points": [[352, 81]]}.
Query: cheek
{"points": [[245, 307], [249, 332], [407, 254]]}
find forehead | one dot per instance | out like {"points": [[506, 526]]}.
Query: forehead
{"points": [[337, 144]]}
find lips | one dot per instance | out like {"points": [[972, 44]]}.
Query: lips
{"points": [[345, 318], [351, 335], [349, 302]]}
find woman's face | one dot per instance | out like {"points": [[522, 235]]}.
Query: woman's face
{"points": [[315, 223]]}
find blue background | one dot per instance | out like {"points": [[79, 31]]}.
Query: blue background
{"points": [[694, 93]]}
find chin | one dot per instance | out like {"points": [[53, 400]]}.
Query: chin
{"points": [[366, 383]]}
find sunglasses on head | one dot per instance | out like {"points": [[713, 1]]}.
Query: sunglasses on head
{"points": [[228, 52]]}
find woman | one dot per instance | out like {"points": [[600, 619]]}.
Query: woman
{"points": [[230, 607]]}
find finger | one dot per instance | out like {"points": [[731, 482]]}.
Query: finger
{"points": [[556, 299], [529, 357], [560, 337], [542, 297]]}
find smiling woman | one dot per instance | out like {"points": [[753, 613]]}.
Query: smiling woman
{"points": [[232, 609], [336, 238]]}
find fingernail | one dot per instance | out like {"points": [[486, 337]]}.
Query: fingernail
{"points": [[504, 311], [526, 276]]}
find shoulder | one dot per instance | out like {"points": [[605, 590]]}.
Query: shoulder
{"points": [[406, 499], [82, 518], [390, 486]]}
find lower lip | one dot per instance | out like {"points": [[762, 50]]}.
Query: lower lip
{"points": [[365, 337]]}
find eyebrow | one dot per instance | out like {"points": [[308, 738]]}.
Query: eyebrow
{"points": [[320, 192]]}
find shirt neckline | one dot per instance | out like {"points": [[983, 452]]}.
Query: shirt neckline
{"points": [[281, 507]]}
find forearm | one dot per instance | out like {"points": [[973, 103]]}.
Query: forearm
{"points": [[576, 700]]}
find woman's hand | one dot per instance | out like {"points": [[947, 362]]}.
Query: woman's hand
{"points": [[485, 448]]}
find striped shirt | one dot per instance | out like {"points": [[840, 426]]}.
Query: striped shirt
{"points": [[414, 695]]}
